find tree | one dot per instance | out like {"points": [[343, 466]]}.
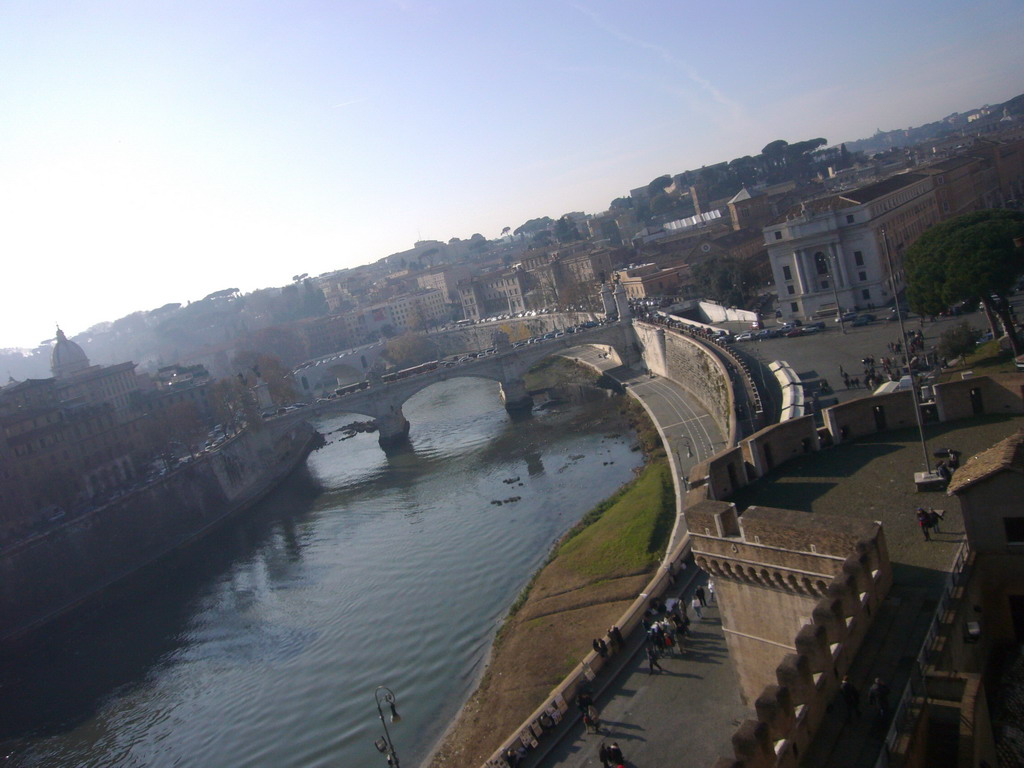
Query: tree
{"points": [[251, 364], [621, 204], [659, 185], [727, 280], [970, 258], [958, 341], [233, 402], [566, 231]]}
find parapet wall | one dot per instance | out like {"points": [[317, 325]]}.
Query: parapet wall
{"points": [[795, 676], [772, 568]]}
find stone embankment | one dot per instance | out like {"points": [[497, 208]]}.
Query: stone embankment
{"points": [[52, 573]]}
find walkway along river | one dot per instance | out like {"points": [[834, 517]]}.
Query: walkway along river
{"points": [[263, 645]]}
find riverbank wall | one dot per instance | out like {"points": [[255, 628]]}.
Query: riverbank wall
{"points": [[54, 572]]}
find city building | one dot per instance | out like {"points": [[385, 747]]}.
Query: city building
{"points": [[836, 251], [494, 293]]}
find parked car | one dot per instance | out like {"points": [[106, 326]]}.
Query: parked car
{"points": [[745, 336], [794, 332], [861, 320]]}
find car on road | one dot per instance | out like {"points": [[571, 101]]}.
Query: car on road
{"points": [[767, 333], [792, 333], [746, 336], [862, 320]]}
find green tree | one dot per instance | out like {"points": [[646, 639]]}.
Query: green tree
{"points": [[727, 280], [972, 257], [566, 231], [958, 341]]}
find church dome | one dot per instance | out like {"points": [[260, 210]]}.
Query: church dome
{"points": [[67, 358]]}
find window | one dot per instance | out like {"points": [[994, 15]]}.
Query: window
{"points": [[778, 235], [862, 276], [858, 258], [849, 219], [1014, 527], [820, 263], [793, 307], [787, 273], [790, 289], [865, 294]]}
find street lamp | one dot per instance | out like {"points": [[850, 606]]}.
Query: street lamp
{"points": [[384, 695], [906, 355]]}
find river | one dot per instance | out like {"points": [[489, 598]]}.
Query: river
{"points": [[263, 645]]}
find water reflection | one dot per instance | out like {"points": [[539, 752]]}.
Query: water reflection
{"points": [[263, 644]]}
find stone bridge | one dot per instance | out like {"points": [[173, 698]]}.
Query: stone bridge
{"points": [[322, 375], [383, 401]]}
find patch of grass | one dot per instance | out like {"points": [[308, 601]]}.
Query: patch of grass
{"points": [[552, 371], [629, 535], [988, 358]]}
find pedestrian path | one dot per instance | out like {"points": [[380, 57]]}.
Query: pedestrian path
{"points": [[684, 716]]}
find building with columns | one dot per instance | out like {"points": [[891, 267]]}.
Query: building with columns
{"points": [[835, 252]]}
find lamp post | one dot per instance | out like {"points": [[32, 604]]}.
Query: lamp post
{"points": [[906, 355], [384, 695], [834, 262]]}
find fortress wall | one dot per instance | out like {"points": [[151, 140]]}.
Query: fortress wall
{"points": [[725, 473], [695, 368], [994, 394], [797, 594], [777, 444], [870, 415]]}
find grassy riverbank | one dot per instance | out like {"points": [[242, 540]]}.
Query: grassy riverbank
{"points": [[592, 576]]}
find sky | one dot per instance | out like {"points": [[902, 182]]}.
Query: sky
{"points": [[157, 151]]}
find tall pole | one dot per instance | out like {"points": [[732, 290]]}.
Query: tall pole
{"points": [[906, 354], [835, 293], [385, 745]]}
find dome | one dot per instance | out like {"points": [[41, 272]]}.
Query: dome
{"points": [[67, 357]]}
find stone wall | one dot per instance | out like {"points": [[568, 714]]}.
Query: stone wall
{"points": [[693, 366], [870, 415], [49, 574], [985, 394], [779, 443], [797, 592]]}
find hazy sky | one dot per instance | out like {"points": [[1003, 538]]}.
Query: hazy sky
{"points": [[158, 151]]}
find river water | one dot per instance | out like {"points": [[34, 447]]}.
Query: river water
{"points": [[263, 645]]}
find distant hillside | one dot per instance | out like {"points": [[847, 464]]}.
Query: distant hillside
{"points": [[947, 126]]}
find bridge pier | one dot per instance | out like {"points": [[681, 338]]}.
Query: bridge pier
{"points": [[392, 428], [515, 396]]}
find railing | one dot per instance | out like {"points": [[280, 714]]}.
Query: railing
{"points": [[904, 716]]}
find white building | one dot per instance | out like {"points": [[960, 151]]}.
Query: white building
{"points": [[833, 249]]}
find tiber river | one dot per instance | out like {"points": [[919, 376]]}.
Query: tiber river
{"points": [[263, 645]]}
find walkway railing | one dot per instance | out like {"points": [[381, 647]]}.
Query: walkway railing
{"points": [[906, 713]]}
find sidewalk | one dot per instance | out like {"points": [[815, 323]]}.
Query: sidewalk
{"points": [[684, 716]]}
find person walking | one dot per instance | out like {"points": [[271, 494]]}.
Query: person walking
{"points": [[615, 754], [711, 590], [652, 659], [699, 592], [878, 695], [934, 517], [851, 696], [924, 520], [602, 755], [695, 604]]}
